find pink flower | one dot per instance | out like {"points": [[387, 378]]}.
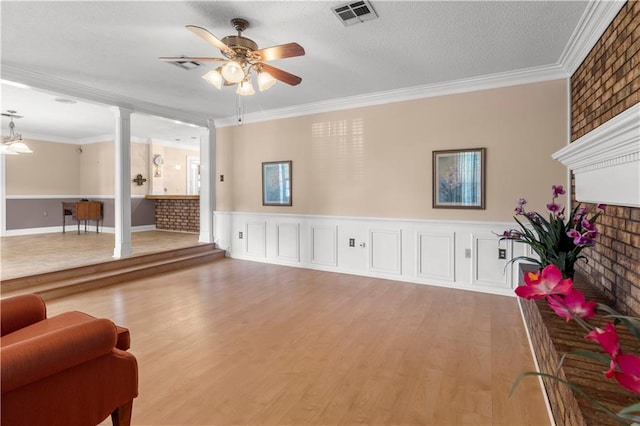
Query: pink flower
{"points": [[608, 339], [629, 374], [557, 190], [573, 304], [601, 207], [553, 207], [544, 284]]}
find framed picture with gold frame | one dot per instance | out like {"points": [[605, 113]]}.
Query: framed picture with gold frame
{"points": [[459, 179]]}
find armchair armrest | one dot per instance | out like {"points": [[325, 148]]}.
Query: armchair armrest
{"points": [[20, 311], [42, 356]]}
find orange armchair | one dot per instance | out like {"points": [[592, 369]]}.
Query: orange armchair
{"points": [[70, 369]]}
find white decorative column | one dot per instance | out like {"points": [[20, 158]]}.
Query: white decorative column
{"points": [[207, 183], [3, 195], [122, 150]]}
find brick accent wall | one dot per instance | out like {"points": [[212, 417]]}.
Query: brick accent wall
{"points": [[553, 337], [605, 84], [178, 215]]}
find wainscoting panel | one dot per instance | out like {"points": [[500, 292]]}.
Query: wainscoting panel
{"points": [[453, 254], [436, 255], [288, 242], [324, 245], [488, 269], [256, 236], [385, 251]]}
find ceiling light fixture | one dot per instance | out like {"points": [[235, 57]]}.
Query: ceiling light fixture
{"points": [[242, 58], [13, 144]]}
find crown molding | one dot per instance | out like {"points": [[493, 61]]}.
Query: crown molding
{"points": [[593, 23], [63, 87], [490, 81], [606, 161]]}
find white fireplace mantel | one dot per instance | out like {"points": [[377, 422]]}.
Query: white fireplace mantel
{"points": [[606, 161]]}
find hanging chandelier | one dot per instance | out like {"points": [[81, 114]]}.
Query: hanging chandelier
{"points": [[13, 144]]}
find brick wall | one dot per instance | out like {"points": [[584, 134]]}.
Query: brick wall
{"points": [[607, 83], [553, 337], [178, 215]]}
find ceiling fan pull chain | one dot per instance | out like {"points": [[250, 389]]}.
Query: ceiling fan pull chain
{"points": [[240, 108]]}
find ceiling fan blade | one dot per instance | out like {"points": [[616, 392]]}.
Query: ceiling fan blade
{"points": [[190, 58], [282, 51], [210, 38], [281, 75]]}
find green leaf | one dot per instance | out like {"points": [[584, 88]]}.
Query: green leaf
{"points": [[632, 323], [575, 388], [589, 354], [633, 408]]}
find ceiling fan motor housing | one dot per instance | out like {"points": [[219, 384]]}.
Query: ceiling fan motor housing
{"points": [[240, 44]]}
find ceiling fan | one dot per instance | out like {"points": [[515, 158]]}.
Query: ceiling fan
{"points": [[13, 144], [241, 57]]}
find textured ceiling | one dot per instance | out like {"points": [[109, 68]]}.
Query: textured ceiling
{"points": [[114, 46]]}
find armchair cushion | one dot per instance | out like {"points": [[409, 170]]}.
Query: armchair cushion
{"points": [[21, 311], [37, 356]]}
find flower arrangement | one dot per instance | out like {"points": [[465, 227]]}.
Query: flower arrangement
{"points": [[555, 241], [570, 303]]}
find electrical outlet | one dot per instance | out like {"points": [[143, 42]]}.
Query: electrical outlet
{"points": [[502, 253], [352, 242], [467, 253], [221, 178], [240, 235]]}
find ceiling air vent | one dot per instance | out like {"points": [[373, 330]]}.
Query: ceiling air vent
{"points": [[186, 64], [353, 13]]}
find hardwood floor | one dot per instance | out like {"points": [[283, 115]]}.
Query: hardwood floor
{"points": [[33, 254], [237, 342]]}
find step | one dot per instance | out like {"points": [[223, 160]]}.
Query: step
{"points": [[74, 280]]}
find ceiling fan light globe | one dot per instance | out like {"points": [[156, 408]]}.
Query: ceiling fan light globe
{"points": [[20, 147], [265, 81], [233, 72], [5, 149], [214, 77], [245, 88]]}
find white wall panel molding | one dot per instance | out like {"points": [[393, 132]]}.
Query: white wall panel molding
{"points": [[487, 268], [385, 251], [324, 250], [288, 242], [431, 252], [435, 255], [256, 238]]}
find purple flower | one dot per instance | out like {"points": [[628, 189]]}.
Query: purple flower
{"points": [[573, 233], [519, 210], [557, 190], [553, 207], [522, 202], [601, 207], [588, 226]]}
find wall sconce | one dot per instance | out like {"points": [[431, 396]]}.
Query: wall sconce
{"points": [[139, 180]]}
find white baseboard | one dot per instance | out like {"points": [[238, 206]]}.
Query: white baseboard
{"points": [[70, 228]]}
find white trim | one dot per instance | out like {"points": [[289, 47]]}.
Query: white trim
{"points": [[535, 363], [58, 229], [56, 196], [491, 81], [614, 141], [261, 228], [593, 23], [606, 161]]}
